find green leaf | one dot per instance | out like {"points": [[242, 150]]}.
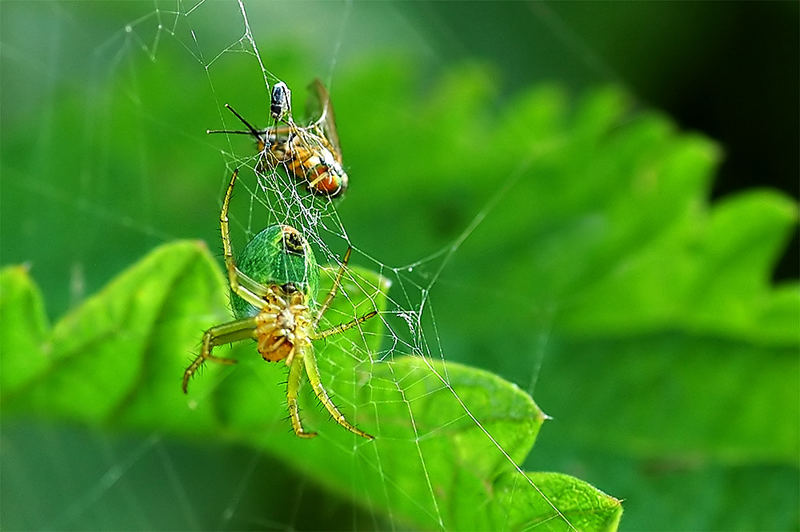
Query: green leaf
{"points": [[23, 329], [565, 243], [448, 437], [726, 424], [576, 500], [594, 267]]}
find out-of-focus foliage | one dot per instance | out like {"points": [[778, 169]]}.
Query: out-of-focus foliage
{"points": [[114, 361], [582, 259], [664, 348]]}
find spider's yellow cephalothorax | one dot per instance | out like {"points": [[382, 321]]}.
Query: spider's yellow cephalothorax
{"points": [[272, 289], [284, 325]]}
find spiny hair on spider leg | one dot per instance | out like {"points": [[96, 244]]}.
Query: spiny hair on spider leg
{"points": [[192, 357], [321, 408], [200, 343], [288, 418]]}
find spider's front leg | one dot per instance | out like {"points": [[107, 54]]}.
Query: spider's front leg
{"points": [[242, 285], [221, 334]]}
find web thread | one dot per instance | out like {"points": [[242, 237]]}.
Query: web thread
{"points": [[278, 198]]}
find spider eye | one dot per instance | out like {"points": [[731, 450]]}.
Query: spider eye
{"points": [[289, 288]]}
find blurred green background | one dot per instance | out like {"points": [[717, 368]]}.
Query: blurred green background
{"points": [[579, 144]]}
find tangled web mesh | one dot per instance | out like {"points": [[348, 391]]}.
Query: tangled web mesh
{"points": [[271, 195]]}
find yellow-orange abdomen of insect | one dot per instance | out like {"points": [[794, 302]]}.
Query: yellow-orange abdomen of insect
{"points": [[311, 153]]}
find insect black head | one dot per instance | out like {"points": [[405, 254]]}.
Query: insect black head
{"points": [[281, 101], [293, 242]]}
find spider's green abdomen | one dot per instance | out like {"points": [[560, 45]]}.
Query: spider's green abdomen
{"points": [[278, 255]]}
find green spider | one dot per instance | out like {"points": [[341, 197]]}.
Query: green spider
{"points": [[272, 297]]}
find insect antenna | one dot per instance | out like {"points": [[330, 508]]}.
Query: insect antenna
{"points": [[228, 131], [252, 131]]}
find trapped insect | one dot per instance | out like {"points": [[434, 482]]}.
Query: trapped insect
{"points": [[309, 153], [272, 297]]}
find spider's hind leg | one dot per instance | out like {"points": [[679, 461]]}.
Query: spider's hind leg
{"points": [[292, 390], [316, 383]]}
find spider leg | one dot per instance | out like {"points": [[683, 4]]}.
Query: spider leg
{"points": [[242, 285], [290, 356], [221, 334], [274, 347], [316, 383], [344, 326], [292, 390], [334, 289]]}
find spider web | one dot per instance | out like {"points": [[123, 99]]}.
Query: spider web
{"points": [[218, 39]]}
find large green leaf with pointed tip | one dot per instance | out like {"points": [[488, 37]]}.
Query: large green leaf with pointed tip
{"points": [[449, 438]]}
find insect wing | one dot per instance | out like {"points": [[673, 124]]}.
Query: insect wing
{"points": [[321, 111]]}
